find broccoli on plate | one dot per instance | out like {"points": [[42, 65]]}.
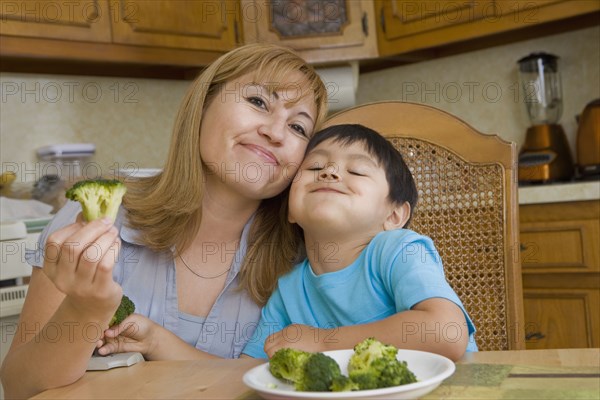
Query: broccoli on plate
{"points": [[288, 364], [125, 309], [342, 383], [318, 374], [374, 365], [309, 372], [98, 197]]}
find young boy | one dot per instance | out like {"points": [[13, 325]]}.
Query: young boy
{"points": [[364, 275]]}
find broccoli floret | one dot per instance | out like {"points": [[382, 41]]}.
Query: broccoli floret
{"points": [[364, 379], [319, 372], [342, 383], [98, 197], [382, 373], [288, 364], [374, 365], [125, 309], [394, 373], [309, 372], [367, 351]]}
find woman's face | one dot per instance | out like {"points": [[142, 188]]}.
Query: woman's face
{"points": [[252, 141]]}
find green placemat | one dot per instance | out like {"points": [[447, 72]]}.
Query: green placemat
{"points": [[496, 381]]}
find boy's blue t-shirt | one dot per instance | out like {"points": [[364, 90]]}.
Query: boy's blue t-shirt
{"points": [[396, 270]]}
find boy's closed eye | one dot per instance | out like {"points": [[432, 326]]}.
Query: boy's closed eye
{"points": [[357, 173]]}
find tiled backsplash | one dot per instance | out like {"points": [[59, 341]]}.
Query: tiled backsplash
{"points": [[481, 87], [130, 119]]}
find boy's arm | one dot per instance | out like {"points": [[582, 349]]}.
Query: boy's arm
{"points": [[436, 325]]}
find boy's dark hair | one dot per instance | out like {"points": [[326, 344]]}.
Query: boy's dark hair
{"points": [[400, 180]]}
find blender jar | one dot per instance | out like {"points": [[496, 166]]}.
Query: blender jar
{"points": [[540, 82]]}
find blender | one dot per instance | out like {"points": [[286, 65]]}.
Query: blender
{"points": [[545, 155]]}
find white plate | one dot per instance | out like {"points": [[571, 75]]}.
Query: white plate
{"points": [[430, 370]]}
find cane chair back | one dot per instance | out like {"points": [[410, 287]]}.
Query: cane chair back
{"points": [[467, 204]]}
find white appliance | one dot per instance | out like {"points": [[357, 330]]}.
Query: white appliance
{"points": [[14, 271], [14, 239]]}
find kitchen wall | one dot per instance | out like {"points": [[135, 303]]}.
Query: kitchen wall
{"points": [[130, 119], [481, 87]]}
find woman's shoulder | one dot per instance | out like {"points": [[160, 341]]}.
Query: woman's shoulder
{"points": [[65, 216]]}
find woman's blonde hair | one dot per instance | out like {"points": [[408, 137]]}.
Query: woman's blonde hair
{"points": [[166, 208]]}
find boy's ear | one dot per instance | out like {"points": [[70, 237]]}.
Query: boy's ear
{"points": [[398, 217]]}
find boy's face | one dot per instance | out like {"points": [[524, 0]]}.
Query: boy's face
{"points": [[340, 188]]}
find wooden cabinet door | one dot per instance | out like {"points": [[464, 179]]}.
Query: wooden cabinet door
{"points": [[404, 26], [332, 30], [525, 11], [185, 24], [403, 18], [561, 318], [82, 20], [561, 279]]}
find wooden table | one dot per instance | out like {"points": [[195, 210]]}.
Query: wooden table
{"points": [[527, 374]]}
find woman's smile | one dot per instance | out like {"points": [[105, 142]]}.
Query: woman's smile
{"points": [[263, 153]]}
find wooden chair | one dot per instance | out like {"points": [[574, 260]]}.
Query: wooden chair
{"points": [[467, 183]]}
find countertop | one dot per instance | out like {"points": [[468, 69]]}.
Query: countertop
{"points": [[524, 374], [560, 192]]}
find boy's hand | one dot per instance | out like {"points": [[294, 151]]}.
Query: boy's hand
{"points": [[301, 337]]}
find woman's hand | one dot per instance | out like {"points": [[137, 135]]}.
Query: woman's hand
{"points": [[79, 260], [302, 337], [138, 333], [135, 333]]}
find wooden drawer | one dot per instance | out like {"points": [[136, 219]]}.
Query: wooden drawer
{"points": [[559, 238], [560, 246], [561, 318]]}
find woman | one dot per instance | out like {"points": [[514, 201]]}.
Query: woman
{"points": [[199, 247]]}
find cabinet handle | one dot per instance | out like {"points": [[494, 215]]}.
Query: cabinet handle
{"points": [[382, 20], [534, 335], [365, 24], [236, 32], [522, 247]]}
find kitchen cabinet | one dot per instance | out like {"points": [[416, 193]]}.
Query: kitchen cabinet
{"points": [[406, 25], [86, 20], [116, 37], [560, 259], [321, 31], [196, 25], [187, 34]]}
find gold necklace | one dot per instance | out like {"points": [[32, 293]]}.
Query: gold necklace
{"points": [[202, 276]]}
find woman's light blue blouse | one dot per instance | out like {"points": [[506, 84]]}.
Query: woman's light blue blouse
{"points": [[149, 279]]}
